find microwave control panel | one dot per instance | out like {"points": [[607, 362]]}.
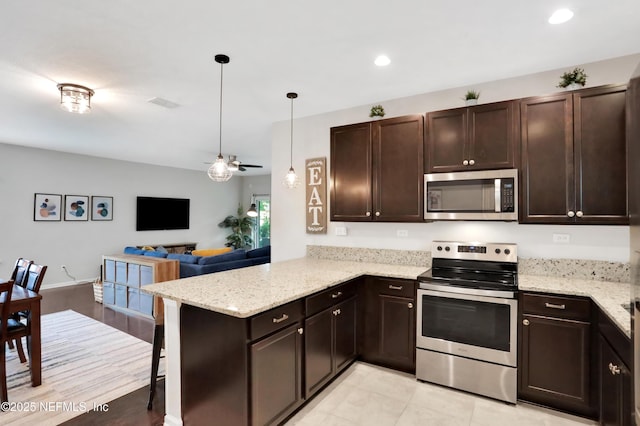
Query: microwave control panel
{"points": [[507, 195]]}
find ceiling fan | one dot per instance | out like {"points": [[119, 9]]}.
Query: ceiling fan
{"points": [[234, 164]]}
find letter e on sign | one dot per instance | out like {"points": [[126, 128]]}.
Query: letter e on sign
{"points": [[316, 195]]}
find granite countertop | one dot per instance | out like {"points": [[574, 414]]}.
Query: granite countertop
{"points": [[248, 291], [609, 296]]}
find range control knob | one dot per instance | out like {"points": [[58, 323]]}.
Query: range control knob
{"points": [[439, 248], [507, 252], [497, 251], [447, 248]]}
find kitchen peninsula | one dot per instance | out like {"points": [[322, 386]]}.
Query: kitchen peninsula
{"points": [[213, 324]]}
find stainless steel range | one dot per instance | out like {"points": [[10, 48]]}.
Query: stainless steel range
{"points": [[467, 313]]}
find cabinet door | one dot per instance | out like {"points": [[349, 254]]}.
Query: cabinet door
{"points": [[318, 350], [492, 136], [446, 140], [344, 334], [276, 382], [397, 340], [547, 172], [351, 173], [554, 364], [615, 388], [600, 152], [398, 169]]}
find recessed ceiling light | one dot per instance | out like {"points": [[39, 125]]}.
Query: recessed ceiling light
{"points": [[382, 61], [560, 16]]}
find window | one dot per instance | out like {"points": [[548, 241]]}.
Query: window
{"points": [[262, 226]]}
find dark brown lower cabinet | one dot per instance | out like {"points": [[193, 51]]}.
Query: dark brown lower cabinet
{"points": [[276, 376], [555, 362], [388, 323], [330, 344]]}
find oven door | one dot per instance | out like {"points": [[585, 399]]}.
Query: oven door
{"points": [[470, 326]]}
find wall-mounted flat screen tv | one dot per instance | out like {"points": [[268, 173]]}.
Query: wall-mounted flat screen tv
{"points": [[158, 214]]}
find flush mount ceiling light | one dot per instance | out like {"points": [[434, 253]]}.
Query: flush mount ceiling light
{"points": [[75, 98], [382, 61], [219, 170], [560, 16], [291, 179]]}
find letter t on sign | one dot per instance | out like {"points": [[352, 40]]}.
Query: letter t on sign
{"points": [[316, 195]]}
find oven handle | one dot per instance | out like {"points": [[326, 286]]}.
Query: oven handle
{"points": [[498, 300], [468, 291]]}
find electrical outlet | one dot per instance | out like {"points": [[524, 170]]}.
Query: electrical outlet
{"points": [[402, 233], [561, 238], [62, 268], [341, 231]]}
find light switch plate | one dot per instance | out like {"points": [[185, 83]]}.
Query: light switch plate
{"points": [[341, 231], [402, 233], [561, 238]]}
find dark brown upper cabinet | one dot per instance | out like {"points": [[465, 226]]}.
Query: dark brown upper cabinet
{"points": [[377, 170], [574, 158], [473, 138]]}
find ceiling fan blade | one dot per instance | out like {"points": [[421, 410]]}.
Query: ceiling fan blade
{"points": [[241, 168], [250, 165]]}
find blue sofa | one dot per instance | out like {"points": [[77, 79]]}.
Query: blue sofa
{"points": [[197, 265]]}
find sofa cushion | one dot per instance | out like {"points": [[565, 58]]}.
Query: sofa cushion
{"points": [[184, 258], [259, 252], [234, 255], [155, 254], [133, 250], [211, 252]]}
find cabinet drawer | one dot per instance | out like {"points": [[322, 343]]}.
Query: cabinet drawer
{"points": [[133, 275], [573, 308], [394, 287], [275, 319], [320, 301]]}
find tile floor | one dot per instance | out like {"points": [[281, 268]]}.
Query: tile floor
{"points": [[375, 396]]}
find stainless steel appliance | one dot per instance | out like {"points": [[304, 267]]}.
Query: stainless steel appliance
{"points": [[479, 195], [633, 144], [467, 313]]}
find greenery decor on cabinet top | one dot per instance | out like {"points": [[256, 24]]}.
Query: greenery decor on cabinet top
{"points": [[376, 111], [241, 227], [577, 76]]}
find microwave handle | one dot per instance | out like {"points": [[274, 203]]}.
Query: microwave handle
{"points": [[498, 195]]}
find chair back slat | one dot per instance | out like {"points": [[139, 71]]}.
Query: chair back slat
{"points": [[34, 277], [20, 271], [6, 288]]}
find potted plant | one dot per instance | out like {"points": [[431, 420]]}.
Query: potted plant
{"points": [[574, 79], [471, 97], [241, 227], [376, 111]]}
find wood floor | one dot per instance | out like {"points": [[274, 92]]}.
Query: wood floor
{"points": [[130, 409]]}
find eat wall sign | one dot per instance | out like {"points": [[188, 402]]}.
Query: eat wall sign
{"points": [[316, 184]]}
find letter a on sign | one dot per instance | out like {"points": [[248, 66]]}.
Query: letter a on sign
{"points": [[316, 183]]}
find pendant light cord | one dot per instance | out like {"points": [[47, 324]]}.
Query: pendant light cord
{"points": [[220, 130], [291, 143]]}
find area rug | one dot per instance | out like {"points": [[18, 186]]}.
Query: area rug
{"points": [[85, 364]]}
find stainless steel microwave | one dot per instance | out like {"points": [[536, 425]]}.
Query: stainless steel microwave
{"points": [[478, 195]]}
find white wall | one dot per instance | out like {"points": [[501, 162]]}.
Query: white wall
{"points": [[312, 140], [80, 245], [255, 185]]}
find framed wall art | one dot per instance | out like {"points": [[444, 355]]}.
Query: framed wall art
{"points": [[47, 207], [101, 208], [76, 208], [316, 183]]}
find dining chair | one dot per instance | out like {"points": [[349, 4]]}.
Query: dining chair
{"points": [[32, 281], [20, 270], [5, 298]]}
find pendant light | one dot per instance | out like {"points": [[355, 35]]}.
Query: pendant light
{"points": [[291, 179], [219, 170], [253, 210]]}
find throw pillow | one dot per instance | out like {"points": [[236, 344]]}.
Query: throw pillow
{"points": [[211, 252]]}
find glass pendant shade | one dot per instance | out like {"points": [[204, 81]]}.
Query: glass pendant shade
{"points": [[219, 171], [75, 98], [291, 179], [252, 212]]}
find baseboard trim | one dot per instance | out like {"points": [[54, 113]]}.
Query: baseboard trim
{"points": [[64, 284]]}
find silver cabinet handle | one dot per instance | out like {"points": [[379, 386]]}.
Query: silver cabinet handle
{"points": [[614, 369], [554, 306], [377, 213], [570, 213], [395, 287], [337, 312], [336, 295], [410, 305], [300, 330], [282, 318], [525, 322], [472, 162], [368, 213], [465, 163], [579, 213]]}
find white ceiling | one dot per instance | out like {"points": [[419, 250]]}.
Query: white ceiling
{"points": [[132, 51]]}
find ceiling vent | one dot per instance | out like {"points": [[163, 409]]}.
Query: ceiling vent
{"points": [[163, 103]]}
